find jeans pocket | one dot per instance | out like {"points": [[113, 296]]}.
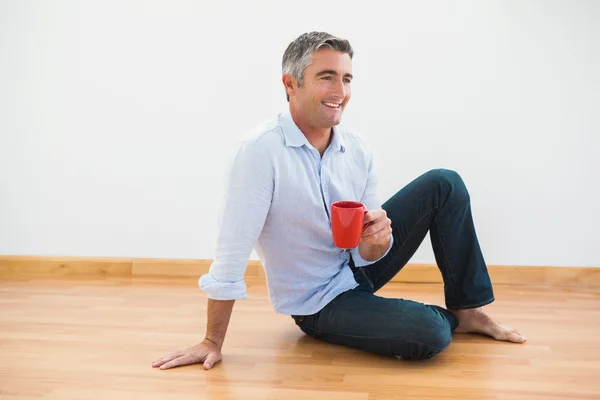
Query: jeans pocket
{"points": [[307, 323]]}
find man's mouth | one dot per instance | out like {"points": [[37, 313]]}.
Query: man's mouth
{"points": [[332, 105]]}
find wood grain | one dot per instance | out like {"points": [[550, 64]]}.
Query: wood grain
{"points": [[19, 267], [96, 338]]}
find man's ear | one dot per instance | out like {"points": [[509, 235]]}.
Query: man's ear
{"points": [[289, 84]]}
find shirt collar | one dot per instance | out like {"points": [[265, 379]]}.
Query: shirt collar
{"points": [[294, 137]]}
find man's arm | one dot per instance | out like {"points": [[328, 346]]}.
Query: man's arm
{"points": [[218, 316], [246, 203], [208, 351], [248, 195]]}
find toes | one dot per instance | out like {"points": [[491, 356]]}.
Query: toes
{"points": [[516, 334], [507, 334], [512, 336], [517, 337]]}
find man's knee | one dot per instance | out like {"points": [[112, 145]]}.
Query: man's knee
{"points": [[448, 180], [430, 343], [437, 341], [444, 175], [440, 340]]}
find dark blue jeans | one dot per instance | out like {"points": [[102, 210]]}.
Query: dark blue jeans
{"points": [[436, 202]]}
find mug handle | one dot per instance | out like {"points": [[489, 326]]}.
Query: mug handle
{"points": [[365, 226]]}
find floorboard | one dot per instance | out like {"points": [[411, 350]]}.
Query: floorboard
{"points": [[96, 339]]}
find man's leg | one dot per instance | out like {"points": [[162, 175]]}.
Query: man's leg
{"points": [[399, 327], [438, 202], [392, 327]]}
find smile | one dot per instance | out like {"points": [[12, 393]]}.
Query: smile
{"points": [[332, 105]]}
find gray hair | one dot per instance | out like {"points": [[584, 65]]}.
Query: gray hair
{"points": [[298, 54]]}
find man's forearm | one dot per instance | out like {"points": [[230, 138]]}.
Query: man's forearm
{"points": [[372, 252], [218, 315]]}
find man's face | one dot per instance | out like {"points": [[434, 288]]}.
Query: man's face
{"points": [[325, 92]]}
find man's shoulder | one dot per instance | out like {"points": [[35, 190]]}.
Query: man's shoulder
{"points": [[266, 133]]}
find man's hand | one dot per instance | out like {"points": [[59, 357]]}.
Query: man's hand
{"points": [[204, 352], [378, 230], [375, 239], [209, 350]]}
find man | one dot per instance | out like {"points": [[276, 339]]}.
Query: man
{"points": [[284, 178]]}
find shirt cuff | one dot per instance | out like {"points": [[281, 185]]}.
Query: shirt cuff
{"points": [[222, 290], [360, 262]]}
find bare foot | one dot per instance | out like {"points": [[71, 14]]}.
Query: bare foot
{"points": [[475, 320]]}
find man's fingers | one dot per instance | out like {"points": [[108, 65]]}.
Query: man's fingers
{"points": [[374, 239], [375, 234], [372, 216], [379, 228], [369, 217], [171, 364], [373, 229], [183, 360], [167, 358], [211, 360]]}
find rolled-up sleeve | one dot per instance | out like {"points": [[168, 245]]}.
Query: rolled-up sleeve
{"points": [[371, 201], [246, 203]]}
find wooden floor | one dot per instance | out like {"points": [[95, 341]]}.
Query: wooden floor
{"points": [[96, 339]]}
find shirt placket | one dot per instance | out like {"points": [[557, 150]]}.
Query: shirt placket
{"points": [[324, 178]]}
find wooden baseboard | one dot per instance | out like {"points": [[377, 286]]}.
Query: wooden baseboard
{"points": [[19, 267]]}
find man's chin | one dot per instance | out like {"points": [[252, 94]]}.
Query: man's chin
{"points": [[333, 120]]}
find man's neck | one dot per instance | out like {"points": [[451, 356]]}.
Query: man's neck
{"points": [[319, 138]]}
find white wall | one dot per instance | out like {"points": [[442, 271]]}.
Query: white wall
{"points": [[117, 117]]}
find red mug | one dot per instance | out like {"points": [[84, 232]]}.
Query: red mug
{"points": [[347, 223]]}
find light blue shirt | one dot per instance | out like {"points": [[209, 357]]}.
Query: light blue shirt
{"points": [[278, 197]]}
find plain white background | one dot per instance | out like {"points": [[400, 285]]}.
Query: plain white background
{"points": [[117, 118]]}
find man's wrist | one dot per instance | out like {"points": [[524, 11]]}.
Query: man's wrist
{"points": [[372, 252], [218, 343]]}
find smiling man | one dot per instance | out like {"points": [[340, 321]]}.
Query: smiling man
{"points": [[283, 179]]}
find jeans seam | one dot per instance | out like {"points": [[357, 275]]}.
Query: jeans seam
{"points": [[451, 272]]}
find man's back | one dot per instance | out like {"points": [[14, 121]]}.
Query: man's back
{"points": [[278, 197]]}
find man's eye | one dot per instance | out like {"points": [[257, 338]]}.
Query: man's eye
{"points": [[347, 80], [327, 78]]}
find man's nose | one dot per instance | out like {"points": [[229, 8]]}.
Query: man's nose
{"points": [[340, 89]]}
